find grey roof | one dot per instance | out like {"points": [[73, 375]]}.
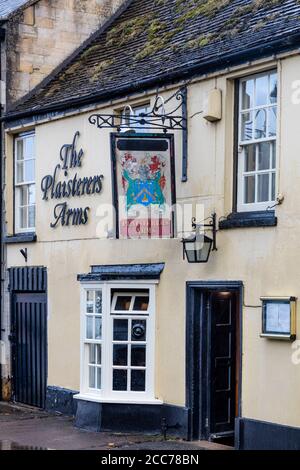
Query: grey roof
{"points": [[123, 271], [152, 42], [9, 6]]}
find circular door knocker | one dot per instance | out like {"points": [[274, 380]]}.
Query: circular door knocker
{"points": [[138, 331]]}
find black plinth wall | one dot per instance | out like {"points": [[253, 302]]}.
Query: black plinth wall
{"points": [[122, 417]]}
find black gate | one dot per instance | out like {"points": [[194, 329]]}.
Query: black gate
{"points": [[29, 335]]}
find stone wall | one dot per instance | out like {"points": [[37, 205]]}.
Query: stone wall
{"points": [[44, 34]]}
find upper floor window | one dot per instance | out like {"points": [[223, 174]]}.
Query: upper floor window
{"points": [[25, 182], [135, 112], [257, 142]]}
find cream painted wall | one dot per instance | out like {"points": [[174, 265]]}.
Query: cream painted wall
{"points": [[265, 259]]}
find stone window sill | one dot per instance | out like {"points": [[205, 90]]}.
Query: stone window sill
{"points": [[21, 238], [99, 399], [249, 219]]}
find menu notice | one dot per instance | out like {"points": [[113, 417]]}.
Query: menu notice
{"points": [[278, 317]]}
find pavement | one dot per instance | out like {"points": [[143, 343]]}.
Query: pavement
{"points": [[27, 428]]}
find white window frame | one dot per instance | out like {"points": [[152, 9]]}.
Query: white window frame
{"points": [[107, 394], [18, 186], [86, 342], [256, 206]]}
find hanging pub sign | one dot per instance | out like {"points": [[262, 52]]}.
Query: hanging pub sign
{"points": [[144, 184], [62, 185]]}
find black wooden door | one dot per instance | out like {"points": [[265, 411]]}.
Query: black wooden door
{"points": [[222, 363], [29, 347]]}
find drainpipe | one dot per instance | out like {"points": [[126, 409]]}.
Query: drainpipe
{"points": [[2, 37]]}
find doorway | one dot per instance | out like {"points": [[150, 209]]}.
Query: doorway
{"points": [[213, 359]]}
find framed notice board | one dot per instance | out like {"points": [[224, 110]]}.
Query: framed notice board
{"points": [[279, 317]]}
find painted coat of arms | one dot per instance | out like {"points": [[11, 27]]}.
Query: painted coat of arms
{"points": [[143, 181], [144, 186]]}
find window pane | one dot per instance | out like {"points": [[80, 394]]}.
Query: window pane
{"points": [[29, 170], [20, 172], [90, 301], [138, 356], [90, 308], [92, 354], [19, 149], [120, 330], [31, 217], [262, 90], [123, 303], [273, 88], [250, 157], [120, 355], [272, 122], [138, 330], [249, 196], [23, 191], [31, 194], [92, 382], [141, 303], [98, 375], [273, 193], [125, 116], [263, 188], [98, 301], [98, 328], [261, 124], [273, 149], [29, 147], [247, 94], [247, 124], [23, 217], [137, 112], [98, 354], [140, 110], [89, 327], [119, 380], [138, 380], [264, 156], [90, 296]]}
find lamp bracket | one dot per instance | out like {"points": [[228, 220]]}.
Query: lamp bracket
{"points": [[212, 226]]}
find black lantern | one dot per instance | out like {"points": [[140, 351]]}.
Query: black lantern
{"points": [[198, 246]]}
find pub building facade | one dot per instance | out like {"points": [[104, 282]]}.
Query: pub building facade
{"points": [[119, 308]]}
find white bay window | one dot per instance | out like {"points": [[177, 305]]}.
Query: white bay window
{"points": [[257, 142], [117, 360], [24, 157]]}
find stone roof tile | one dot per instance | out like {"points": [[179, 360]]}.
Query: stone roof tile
{"points": [[152, 39]]}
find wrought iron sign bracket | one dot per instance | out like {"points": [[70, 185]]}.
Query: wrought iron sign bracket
{"points": [[155, 120]]}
